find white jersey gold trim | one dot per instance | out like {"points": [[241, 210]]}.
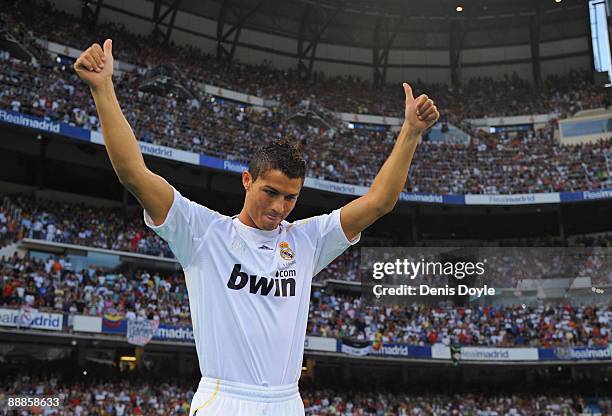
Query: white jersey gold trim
{"points": [[249, 306]]}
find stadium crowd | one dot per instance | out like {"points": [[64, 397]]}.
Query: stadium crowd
{"points": [[478, 98], [136, 397], [54, 285], [24, 216], [329, 402], [542, 325], [490, 163], [104, 398]]}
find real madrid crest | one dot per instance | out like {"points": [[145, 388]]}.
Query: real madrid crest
{"points": [[285, 251]]}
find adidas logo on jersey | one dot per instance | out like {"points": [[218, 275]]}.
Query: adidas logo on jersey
{"points": [[281, 285], [264, 247]]}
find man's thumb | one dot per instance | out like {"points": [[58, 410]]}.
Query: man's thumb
{"points": [[108, 47], [408, 91]]}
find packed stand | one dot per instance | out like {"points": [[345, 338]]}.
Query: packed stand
{"points": [[88, 398], [24, 216], [325, 402], [124, 397], [478, 98], [489, 164], [54, 285], [507, 262], [80, 224], [545, 326]]}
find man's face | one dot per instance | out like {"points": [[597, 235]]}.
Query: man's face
{"points": [[270, 198]]}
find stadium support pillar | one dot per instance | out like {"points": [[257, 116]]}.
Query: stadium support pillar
{"points": [[126, 198], [90, 11], [314, 22], [181, 358], [346, 372], [384, 36], [415, 221], [229, 33], [405, 374], [561, 224], [535, 25], [457, 33], [163, 37], [209, 181], [42, 161], [80, 355]]}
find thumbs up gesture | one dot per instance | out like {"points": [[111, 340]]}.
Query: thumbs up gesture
{"points": [[420, 113], [95, 64]]}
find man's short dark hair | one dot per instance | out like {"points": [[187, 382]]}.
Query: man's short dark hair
{"points": [[283, 155]]}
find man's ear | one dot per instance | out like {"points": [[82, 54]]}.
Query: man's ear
{"points": [[246, 180]]}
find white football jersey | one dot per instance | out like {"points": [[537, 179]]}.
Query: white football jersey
{"points": [[249, 289]]}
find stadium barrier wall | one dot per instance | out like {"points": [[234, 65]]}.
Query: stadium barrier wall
{"points": [[118, 325], [486, 123], [78, 133], [84, 323]]}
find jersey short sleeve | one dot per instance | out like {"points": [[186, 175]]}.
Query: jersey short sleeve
{"points": [[330, 239], [186, 223]]}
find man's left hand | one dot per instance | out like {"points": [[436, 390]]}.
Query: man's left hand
{"points": [[420, 113]]}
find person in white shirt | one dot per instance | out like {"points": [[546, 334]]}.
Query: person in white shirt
{"points": [[249, 276]]}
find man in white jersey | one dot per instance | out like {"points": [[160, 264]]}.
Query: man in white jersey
{"points": [[249, 276]]}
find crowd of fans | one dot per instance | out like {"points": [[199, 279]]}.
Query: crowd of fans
{"points": [[109, 398], [128, 397], [534, 326], [23, 216], [479, 97], [62, 222], [341, 403], [55, 285], [490, 163]]}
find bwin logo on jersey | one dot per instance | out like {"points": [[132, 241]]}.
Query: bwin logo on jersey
{"points": [[282, 284]]}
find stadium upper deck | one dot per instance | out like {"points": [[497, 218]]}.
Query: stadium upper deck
{"points": [[491, 163]]}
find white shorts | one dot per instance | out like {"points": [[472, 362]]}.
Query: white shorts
{"points": [[229, 398]]}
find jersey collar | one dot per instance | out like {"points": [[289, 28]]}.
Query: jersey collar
{"points": [[256, 232]]}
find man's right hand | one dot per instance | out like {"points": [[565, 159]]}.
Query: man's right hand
{"points": [[95, 65]]}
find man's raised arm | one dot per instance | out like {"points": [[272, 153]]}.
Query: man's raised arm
{"points": [[357, 215], [95, 67]]}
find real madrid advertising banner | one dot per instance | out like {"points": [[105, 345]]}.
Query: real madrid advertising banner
{"points": [[498, 354], [401, 350], [31, 318], [576, 353]]}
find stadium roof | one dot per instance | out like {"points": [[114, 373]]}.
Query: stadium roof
{"points": [[424, 24]]}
